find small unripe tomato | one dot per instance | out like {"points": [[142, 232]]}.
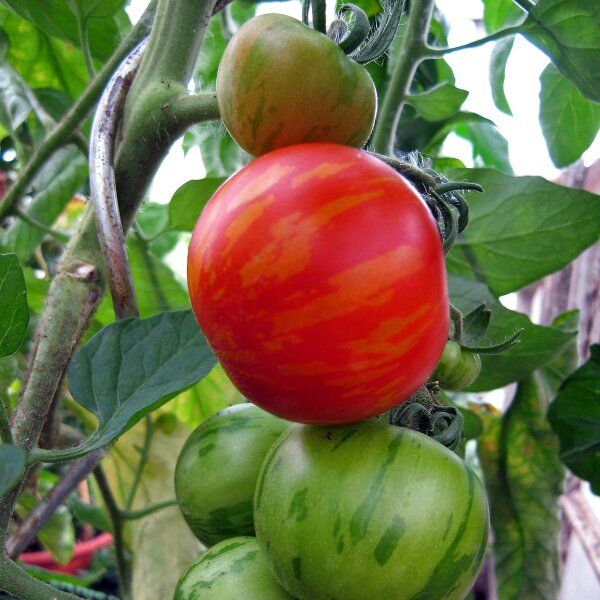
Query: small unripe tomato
{"points": [[458, 368]]}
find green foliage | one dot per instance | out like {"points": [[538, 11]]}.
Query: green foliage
{"points": [[438, 103], [498, 61], [575, 417], [61, 19], [41, 60], [516, 227], [14, 312], [523, 479], [498, 14], [189, 200], [568, 31], [60, 178], [569, 121], [133, 366]]}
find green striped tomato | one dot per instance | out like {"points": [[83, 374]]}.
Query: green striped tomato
{"points": [[281, 83], [234, 569], [217, 469], [317, 275], [369, 511]]}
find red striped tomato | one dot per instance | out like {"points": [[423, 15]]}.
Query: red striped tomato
{"points": [[317, 275]]}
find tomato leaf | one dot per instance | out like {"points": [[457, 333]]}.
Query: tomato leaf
{"points": [[438, 103], [133, 366], [12, 465], [498, 60], [490, 148], [59, 179], [189, 200], [568, 31], [524, 480], [15, 102], [537, 346], [563, 108], [41, 60], [96, 516], [500, 13], [555, 371], [14, 312], [59, 19], [575, 417], [540, 216]]}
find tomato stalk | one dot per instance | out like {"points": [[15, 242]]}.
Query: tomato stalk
{"points": [[21, 584], [412, 52]]}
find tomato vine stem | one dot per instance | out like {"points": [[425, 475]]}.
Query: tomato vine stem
{"points": [[17, 582], [411, 53], [498, 35]]}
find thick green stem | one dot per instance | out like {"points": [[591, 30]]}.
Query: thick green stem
{"points": [[77, 290], [173, 48], [20, 584], [412, 51], [193, 108], [61, 134], [150, 125], [73, 296]]}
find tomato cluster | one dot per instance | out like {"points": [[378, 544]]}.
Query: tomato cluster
{"points": [[317, 275]]}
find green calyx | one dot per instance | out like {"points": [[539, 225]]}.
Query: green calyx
{"points": [[468, 331], [352, 30], [447, 205], [422, 412]]}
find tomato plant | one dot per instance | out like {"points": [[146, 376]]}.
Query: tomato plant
{"points": [[317, 275], [233, 569], [367, 511], [323, 280], [271, 92], [217, 470], [457, 368]]}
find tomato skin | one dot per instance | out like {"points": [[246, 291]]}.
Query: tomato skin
{"points": [[368, 510], [231, 570], [318, 278], [457, 368], [217, 469], [281, 83]]}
